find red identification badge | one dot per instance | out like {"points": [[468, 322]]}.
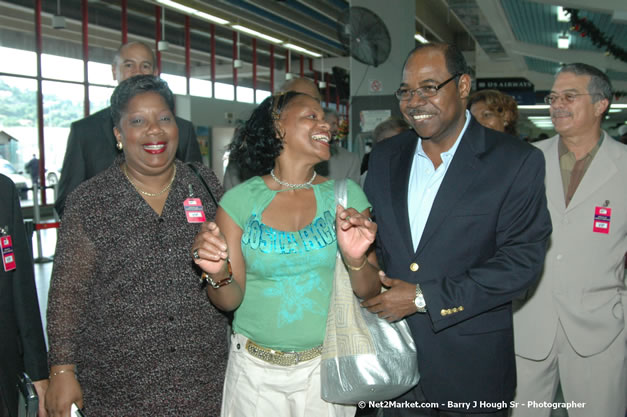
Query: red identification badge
{"points": [[8, 258], [193, 210], [602, 220]]}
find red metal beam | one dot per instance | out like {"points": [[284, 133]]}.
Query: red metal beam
{"points": [[158, 36], [213, 60], [124, 22], [188, 58], [328, 89], [254, 42], [234, 69], [271, 69], [85, 15], [40, 99], [302, 66]]}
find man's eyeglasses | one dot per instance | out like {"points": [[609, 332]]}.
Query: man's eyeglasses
{"points": [[568, 97], [427, 91]]}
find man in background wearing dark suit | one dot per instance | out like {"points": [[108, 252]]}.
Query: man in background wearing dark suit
{"points": [[462, 230], [91, 144], [22, 346]]}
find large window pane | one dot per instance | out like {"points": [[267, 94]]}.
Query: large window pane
{"points": [[100, 73], [99, 98], [16, 61], [261, 95], [225, 91], [61, 68], [63, 104], [18, 119], [245, 95], [177, 84], [199, 88]]}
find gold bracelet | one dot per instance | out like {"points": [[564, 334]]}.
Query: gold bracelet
{"points": [[356, 268], [205, 277], [62, 371]]}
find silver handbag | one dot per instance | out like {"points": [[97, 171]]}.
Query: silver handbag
{"points": [[364, 357]]}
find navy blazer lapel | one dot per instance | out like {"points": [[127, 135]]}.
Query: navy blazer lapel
{"points": [[456, 180], [400, 167]]}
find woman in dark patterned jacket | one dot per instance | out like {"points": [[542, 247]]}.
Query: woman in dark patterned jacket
{"points": [[131, 331]]}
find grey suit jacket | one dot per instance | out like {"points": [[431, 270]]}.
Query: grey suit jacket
{"points": [[91, 149], [342, 164], [583, 283]]}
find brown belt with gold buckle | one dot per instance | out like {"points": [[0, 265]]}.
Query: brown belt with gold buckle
{"points": [[280, 358]]}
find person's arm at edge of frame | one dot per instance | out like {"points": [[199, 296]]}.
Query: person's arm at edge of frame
{"points": [[74, 265], [216, 243], [25, 294]]}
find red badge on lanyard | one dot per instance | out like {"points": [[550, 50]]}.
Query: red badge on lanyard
{"points": [[8, 258], [602, 217], [193, 210]]}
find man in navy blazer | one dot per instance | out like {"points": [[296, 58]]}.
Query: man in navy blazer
{"points": [[91, 144], [462, 230]]}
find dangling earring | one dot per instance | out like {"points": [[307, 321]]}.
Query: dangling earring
{"points": [[119, 146]]}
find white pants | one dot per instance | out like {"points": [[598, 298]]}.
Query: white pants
{"points": [[599, 381], [255, 388]]}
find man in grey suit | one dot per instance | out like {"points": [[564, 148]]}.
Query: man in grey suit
{"points": [[570, 328], [91, 144]]}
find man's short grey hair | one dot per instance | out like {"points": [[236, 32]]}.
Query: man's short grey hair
{"points": [[600, 86], [118, 53]]}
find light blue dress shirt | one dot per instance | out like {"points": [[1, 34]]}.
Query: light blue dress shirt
{"points": [[424, 183]]}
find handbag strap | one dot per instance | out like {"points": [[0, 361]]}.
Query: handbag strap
{"points": [[193, 168], [340, 192], [340, 198]]}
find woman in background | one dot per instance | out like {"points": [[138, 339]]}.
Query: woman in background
{"points": [[131, 333], [494, 110], [270, 256]]}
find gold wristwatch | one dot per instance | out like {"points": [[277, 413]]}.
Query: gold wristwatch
{"points": [[419, 301]]}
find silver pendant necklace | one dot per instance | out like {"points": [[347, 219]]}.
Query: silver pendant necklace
{"points": [[293, 186]]}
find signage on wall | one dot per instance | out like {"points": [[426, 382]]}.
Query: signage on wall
{"points": [[375, 86], [520, 88]]}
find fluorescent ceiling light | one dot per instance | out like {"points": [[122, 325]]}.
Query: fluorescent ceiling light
{"points": [[210, 18], [257, 34], [615, 110], [539, 118], [562, 16], [420, 38], [192, 11], [563, 41], [546, 106], [533, 106], [177, 6], [303, 50]]}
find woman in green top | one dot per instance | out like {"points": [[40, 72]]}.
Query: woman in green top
{"points": [[270, 256]]}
